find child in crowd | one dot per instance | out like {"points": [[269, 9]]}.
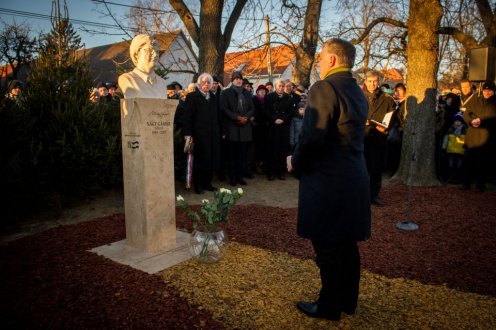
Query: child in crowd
{"points": [[296, 124], [453, 144]]}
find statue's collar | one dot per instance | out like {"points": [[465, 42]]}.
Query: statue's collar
{"points": [[149, 78]]}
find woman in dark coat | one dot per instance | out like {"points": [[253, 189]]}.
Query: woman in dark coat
{"points": [[260, 128], [278, 110], [201, 122]]}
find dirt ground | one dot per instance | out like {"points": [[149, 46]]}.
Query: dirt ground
{"points": [[440, 277], [259, 191]]}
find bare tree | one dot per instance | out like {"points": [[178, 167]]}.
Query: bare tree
{"points": [[212, 42], [417, 164], [305, 52], [17, 47], [379, 46], [417, 158], [148, 16]]}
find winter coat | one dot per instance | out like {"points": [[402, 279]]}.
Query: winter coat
{"points": [[234, 105], [294, 100], [295, 130], [379, 103], [202, 121], [278, 107], [482, 136], [453, 142], [334, 193]]}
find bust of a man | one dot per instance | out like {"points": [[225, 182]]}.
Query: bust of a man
{"points": [[143, 81]]}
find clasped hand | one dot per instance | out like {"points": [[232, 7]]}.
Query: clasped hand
{"points": [[241, 121]]}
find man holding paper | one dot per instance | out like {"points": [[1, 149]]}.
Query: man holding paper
{"points": [[381, 107]]}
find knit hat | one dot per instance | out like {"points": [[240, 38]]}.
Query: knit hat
{"points": [[246, 81], [111, 85], [262, 87], [13, 84], [269, 83], [458, 117], [302, 105], [175, 83], [236, 75], [489, 85]]}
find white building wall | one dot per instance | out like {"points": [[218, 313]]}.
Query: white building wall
{"points": [[179, 57]]}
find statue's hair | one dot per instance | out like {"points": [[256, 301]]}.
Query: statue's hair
{"points": [[137, 43]]}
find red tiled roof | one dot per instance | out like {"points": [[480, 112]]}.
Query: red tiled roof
{"points": [[256, 61], [392, 75]]}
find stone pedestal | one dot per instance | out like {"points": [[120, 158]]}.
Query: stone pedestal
{"points": [[148, 159]]}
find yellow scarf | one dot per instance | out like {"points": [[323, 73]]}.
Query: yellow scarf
{"points": [[336, 70]]}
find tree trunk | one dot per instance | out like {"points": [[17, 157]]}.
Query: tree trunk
{"points": [[305, 53], [211, 41], [211, 45], [418, 150]]}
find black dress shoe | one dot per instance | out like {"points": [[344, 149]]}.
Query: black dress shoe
{"points": [[211, 188], [241, 181], [377, 201], [313, 310]]}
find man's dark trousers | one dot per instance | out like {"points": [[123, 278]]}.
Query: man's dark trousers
{"points": [[339, 265], [375, 157]]}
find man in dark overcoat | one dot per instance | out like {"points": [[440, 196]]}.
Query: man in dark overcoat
{"points": [[334, 200], [480, 141], [202, 122], [278, 111], [380, 104], [237, 107]]}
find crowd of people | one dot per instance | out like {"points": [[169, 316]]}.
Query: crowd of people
{"points": [[255, 130], [465, 128], [238, 131], [252, 131]]}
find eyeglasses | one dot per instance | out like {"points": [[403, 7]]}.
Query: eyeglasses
{"points": [[149, 50]]}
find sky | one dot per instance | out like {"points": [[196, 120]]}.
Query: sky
{"points": [[82, 10], [37, 13]]}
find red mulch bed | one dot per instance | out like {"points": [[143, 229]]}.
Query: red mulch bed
{"points": [[50, 280]]}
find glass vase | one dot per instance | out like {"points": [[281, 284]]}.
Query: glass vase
{"points": [[208, 247]]}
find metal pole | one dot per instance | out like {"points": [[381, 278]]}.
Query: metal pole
{"points": [[407, 225], [267, 36]]}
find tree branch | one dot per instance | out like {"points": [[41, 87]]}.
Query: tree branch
{"points": [[231, 23], [486, 13], [379, 20], [466, 40], [187, 18]]}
